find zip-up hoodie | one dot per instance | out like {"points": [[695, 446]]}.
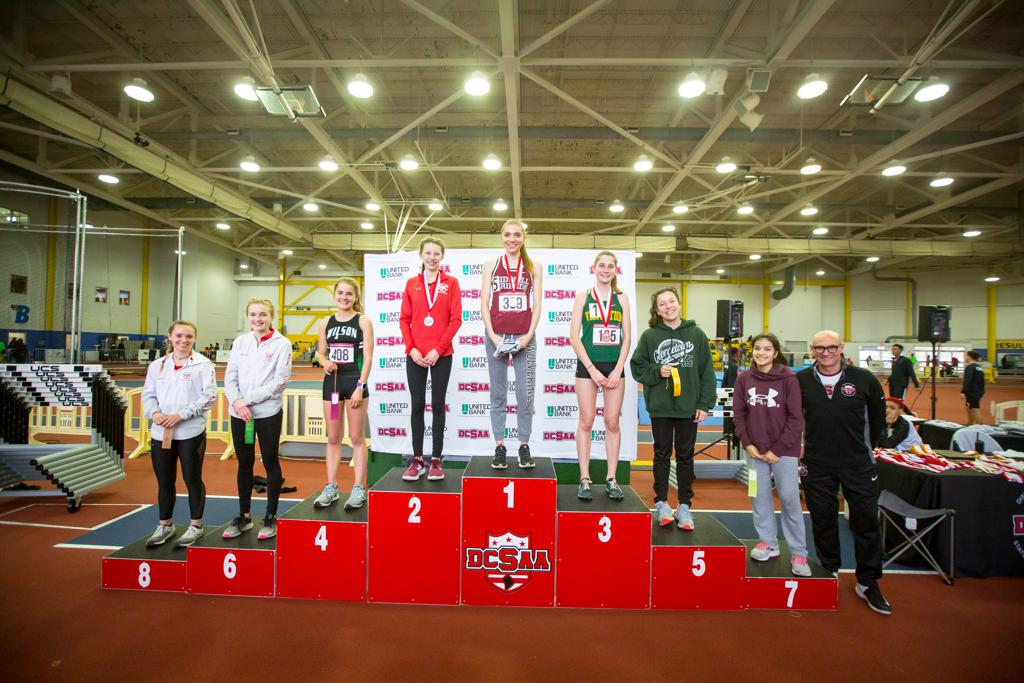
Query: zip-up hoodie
{"points": [[842, 428], [686, 348], [767, 410], [189, 392], [258, 373]]}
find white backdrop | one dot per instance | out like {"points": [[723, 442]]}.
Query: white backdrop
{"points": [[468, 429]]}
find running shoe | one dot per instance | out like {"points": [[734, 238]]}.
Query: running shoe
{"points": [[192, 534], [762, 552], [269, 528], [498, 461], [436, 472], [415, 470], [163, 533], [684, 520], [799, 566], [873, 596], [356, 498], [664, 513], [525, 459], [583, 492], [611, 487], [327, 498], [238, 526]]}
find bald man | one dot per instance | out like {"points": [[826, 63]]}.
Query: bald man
{"points": [[844, 412]]}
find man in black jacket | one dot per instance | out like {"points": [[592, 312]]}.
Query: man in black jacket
{"points": [[973, 387], [844, 412], [902, 373]]}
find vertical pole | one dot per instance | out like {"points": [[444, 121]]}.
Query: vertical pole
{"points": [[81, 281], [73, 343], [178, 273], [992, 324], [51, 269], [685, 294], [909, 322], [144, 296], [765, 295], [280, 293], [846, 311]]}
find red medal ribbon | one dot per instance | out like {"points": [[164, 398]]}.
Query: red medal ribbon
{"points": [[519, 271], [606, 314]]}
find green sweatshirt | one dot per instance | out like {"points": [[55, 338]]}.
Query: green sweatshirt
{"points": [[686, 348]]}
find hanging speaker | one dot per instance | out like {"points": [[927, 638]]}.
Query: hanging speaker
{"points": [[730, 319], [933, 323]]}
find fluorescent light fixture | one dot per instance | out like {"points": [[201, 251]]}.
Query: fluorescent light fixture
{"points": [[810, 167], [680, 208], [808, 210], [223, 226], [500, 205], [435, 205], [243, 266], [992, 278], [328, 164], [820, 230], [755, 257], [372, 206], [813, 86], [725, 166], [287, 252], [310, 206], [139, 90], [359, 87], [720, 271], [745, 210], [408, 163], [872, 259], [932, 91], [668, 227], [819, 272], [108, 179], [180, 252], [893, 169], [643, 164], [971, 233], [477, 85], [941, 181], [322, 266], [249, 164], [246, 89], [692, 86], [492, 162], [366, 225], [616, 207]]}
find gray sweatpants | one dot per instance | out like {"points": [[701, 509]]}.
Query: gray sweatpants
{"points": [[787, 481], [524, 365]]}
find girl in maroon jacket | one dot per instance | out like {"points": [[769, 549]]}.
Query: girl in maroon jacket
{"points": [[769, 422], [431, 315]]}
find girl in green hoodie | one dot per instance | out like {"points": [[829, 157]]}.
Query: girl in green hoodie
{"points": [[673, 362]]}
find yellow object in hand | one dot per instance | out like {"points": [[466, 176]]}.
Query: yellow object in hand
{"points": [[677, 386]]}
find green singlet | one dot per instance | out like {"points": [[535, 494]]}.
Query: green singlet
{"points": [[602, 343]]}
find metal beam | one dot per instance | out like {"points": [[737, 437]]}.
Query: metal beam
{"points": [[441, 21], [949, 202], [732, 22], [507, 11], [564, 26]]}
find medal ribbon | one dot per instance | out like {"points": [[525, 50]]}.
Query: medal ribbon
{"points": [[431, 298], [606, 310], [677, 385], [519, 271]]}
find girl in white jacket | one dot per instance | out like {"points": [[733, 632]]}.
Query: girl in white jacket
{"points": [[257, 375], [180, 389]]}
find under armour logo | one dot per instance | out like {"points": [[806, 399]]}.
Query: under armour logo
{"points": [[756, 399]]}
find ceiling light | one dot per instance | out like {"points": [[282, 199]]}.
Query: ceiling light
{"points": [[372, 206], [820, 230], [108, 179], [941, 181], [810, 167], [360, 87], [183, 253], [812, 87], [872, 259], [408, 163], [972, 233], [246, 89], [500, 205], [287, 252], [992, 278], [477, 85], [328, 164], [692, 86], [366, 225], [755, 257], [893, 169], [638, 254], [680, 208], [310, 206], [223, 226], [745, 210], [819, 272], [435, 205], [725, 166], [720, 271], [249, 164], [322, 266], [668, 227], [616, 207], [808, 210], [138, 90], [932, 91], [524, 224], [243, 266], [643, 164], [492, 162]]}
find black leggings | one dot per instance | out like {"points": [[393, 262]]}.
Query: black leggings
{"points": [[268, 434], [440, 373], [681, 433], [190, 452]]}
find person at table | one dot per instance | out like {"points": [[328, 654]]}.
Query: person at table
{"points": [[510, 298], [769, 422], [973, 387], [902, 373], [179, 391], [431, 315], [899, 434], [673, 361], [599, 332], [844, 415]]}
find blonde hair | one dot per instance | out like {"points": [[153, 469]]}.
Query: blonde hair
{"points": [[527, 261], [170, 330], [357, 306], [261, 302], [430, 240], [615, 278]]}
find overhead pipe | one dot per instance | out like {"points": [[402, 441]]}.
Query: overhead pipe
{"points": [[788, 283], [913, 299]]}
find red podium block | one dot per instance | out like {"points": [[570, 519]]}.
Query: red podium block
{"points": [[414, 539], [699, 569], [604, 551], [321, 554], [771, 585], [508, 534], [237, 566], [136, 567]]}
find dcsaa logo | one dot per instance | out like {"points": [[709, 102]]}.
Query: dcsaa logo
{"points": [[474, 434], [559, 294], [559, 436], [508, 562], [429, 408]]}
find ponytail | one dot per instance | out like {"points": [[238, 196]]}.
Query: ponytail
{"points": [[615, 278]]}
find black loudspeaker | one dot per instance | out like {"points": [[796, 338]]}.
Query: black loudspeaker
{"points": [[933, 323], [730, 319]]}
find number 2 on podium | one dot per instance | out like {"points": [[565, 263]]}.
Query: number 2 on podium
{"points": [[510, 494], [414, 507]]}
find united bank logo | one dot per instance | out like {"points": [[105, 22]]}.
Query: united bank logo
{"points": [[562, 411], [391, 363], [390, 317], [393, 408], [474, 269], [597, 435], [561, 363], [559, 316], [470, 409], [473, 362], [508, 562], [473, 316], [563, 270], [394, 272]]}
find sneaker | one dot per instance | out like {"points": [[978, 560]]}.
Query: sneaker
{"points": [[269, 528], [613, 490], [327, 498], [356, 498], [163, 533], [238, 526], [583, 492], [192, 534], [415, 470], [436, 472], [762, 552], [684, 520], [525, 459], [799, 566], [873, 596], [498, 461], [664, 513]]}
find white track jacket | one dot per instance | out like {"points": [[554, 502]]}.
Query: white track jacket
{"points": [[258, 373], [189, 392]]}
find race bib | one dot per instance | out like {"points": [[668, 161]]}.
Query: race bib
{"points": [[607, 335], [342, 353], [512, 301]]}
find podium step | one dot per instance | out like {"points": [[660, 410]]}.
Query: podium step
{"points": [[771, 584], [236, 566], [136, 567], [480, 466], [699, 569]]}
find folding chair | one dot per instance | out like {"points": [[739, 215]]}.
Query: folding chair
{"points": [[891, 506]]}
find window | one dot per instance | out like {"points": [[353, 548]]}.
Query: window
{"points": [[19, 284], [12, 216]]}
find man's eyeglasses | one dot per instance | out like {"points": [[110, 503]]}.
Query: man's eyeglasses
{"points": [[823, 349]]}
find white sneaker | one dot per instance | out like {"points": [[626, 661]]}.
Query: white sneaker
{"points": [[799, 566], [163, 533], [191, 535], [356, 498], [762, 552]]}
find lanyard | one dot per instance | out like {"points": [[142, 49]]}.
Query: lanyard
{"points": [[431, 298], [519, 271], [605, 310]]}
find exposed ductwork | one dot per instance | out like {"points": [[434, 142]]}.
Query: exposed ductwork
{"points": [[913, 297], [788, 283]]}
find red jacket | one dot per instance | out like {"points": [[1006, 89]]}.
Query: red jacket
{"points": [[447, 315]]}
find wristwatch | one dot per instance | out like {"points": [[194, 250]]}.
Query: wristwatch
{"points": [[362, 385]]}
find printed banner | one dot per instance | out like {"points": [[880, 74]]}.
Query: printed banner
{"points": [[468, 428]]}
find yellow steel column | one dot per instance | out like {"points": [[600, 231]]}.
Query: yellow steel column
{"points": [[846, 311], [909, 325], [685, 293], [992, 324], [51, 269], [280, 295], [144, 298], [765, 294]]}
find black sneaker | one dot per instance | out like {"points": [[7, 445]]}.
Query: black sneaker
{"points": [[498, 461], [525, 459], [873, 596]]}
